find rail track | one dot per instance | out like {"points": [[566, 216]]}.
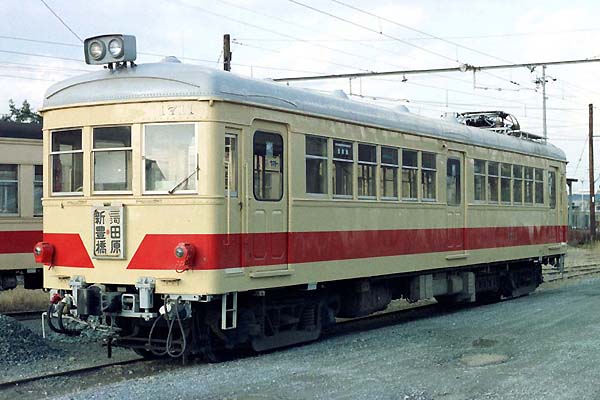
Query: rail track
{"points": [[25, 315], [574, 271], [16, 383]]}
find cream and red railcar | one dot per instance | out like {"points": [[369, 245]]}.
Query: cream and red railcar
{"points": [[194, 210], [20, 203]]}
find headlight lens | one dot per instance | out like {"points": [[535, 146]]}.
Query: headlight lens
{"points": [[115, 47], [97, 50], [179, 252]]}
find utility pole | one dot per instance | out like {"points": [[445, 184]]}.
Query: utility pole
{"points": [[544, 102], [226, 52], [592, 185]]}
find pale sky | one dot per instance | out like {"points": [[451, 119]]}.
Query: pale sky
{"points": [[306, 37]]}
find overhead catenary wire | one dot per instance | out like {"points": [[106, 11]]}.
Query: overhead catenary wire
{"points": [[62, 21]]}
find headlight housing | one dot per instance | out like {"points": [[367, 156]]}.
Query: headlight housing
{"points": [[109, 49]]}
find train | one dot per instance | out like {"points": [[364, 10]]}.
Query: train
{"points": [[192, 211], [20, 203]]}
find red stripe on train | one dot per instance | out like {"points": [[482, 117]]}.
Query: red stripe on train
{"points": [[18, 241], [219, 251], [69, 250]]}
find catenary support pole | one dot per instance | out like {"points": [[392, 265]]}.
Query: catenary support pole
{"points": [[592, 185], [226, 52]]}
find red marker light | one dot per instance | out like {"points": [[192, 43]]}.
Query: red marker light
{"points": [[43, 252], [184, 256]]}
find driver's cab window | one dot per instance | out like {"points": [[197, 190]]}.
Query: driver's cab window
{"points": [[170, 160], [268, 166], [66, 157]]}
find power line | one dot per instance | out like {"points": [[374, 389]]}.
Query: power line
{"points": [[418, 31], [62, 21], [373, 30], [462, 68]]}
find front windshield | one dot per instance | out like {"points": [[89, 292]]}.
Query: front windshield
{"points": [[170, 157]]}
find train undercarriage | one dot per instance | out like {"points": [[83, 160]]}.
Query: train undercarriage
{"points": [[216, 327]]}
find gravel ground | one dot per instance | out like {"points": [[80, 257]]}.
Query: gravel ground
{"points": [[17, 342], [544, 346]]}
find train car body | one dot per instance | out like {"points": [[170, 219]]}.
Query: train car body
{"points": [[20, 203], [261, 212]]}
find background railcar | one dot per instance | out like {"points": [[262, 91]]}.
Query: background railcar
{"points": [[20, 203], [258, 213]]}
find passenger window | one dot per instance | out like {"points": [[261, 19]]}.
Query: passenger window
{"points": [[389, 173], [268, 166], [170, 157], [428, 175], [316, 165], [517, 184], [552, 188], [505, 174], [539, 186], [479, 180], [409, 174], [528, 185], [453, 182], [66, 155], [343, 159], [367, 167], [231, 165], [112, 158], [38, 189], [9, 189], [493, 181]]}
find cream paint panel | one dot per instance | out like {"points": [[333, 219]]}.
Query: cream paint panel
{"points": [[207, 213], [17, 261], [128, 113]]}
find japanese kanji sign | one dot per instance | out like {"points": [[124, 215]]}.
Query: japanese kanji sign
{"points": [[108, 232]]}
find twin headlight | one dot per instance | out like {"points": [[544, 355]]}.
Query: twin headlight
{"points": [[109, 49]]}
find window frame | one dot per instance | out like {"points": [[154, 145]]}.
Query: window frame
{"points": [[537, 182], [315, 157], [409, 168], [143, 160], [282, 166], [16, 182], [531, 185], [39, 183], [430, 170], [351, 162], [552, 198], [489, 186], [372, 166], [504, 178], [520, 180], [482, 175], [396, 167], [51, 155], [235, 157], [457, 161], [124, 149]]}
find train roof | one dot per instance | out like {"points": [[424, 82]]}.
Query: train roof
{"points": [[20, 130], [168, 80]]}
